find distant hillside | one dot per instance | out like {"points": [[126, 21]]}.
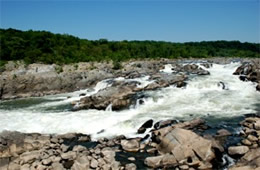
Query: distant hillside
{"points": [[45, 47]]}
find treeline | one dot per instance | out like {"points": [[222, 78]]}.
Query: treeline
{"points": [[45, 47]]}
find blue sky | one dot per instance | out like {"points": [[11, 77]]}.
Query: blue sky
{"points": [[176, 21]]}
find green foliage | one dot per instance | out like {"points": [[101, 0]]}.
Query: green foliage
{"points": [[117, 65], [59, 69], [45, 47]]}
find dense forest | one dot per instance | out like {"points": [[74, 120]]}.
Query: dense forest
{"points": [[46, 47]]}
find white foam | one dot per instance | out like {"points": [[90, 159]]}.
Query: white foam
{"points": [[201, 97]]}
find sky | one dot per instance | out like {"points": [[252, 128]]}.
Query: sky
{"points": [[166, 20]]}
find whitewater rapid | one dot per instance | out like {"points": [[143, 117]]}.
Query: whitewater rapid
{"points": [[202, 97]]}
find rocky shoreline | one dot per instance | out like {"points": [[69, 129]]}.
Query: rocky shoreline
{"points": [[18, 80], [169, 145]]}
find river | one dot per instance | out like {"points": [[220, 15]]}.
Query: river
{"points": [[204, 96]]}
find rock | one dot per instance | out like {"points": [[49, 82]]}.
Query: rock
{"points": [[79, 148], [223, 132], [25, 167], [147, 124], [251, 160], [29, 157], [237, 150], [252, 138], [257, 124], [93, 163], [130, 145], [108, 154], [185, 144], [68, 155], [258, 89], [13, 166], [64, 148], [81, 163], [47, 161], [160, 161], [184, 167], [246, 142], [57, 166], [153, 162], [131, 158], [165, 123], [130, 166]]}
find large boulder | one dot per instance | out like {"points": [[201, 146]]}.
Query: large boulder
{"points": [[185, 145]]}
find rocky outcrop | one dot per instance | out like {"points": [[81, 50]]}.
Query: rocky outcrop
{"points": [[250, 71], [123, 93], [21, 81], [176, 145], [184, 146], [18, 80], [250, 149]]}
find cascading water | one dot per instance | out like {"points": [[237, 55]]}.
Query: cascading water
{"points": [[202, 97]]}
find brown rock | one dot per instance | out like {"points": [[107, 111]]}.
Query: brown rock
{"points": [[160, 161], [185, 143], [238, 150], [130, 145], [246, 142], [81, 163], [130, 166], [223, 132]]}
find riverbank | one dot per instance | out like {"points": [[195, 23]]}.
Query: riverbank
{"points": [[183, 145], [18, 80]]}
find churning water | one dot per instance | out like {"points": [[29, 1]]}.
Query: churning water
{"points": [[204, 96]]}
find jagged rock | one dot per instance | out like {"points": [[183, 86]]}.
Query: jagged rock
{"points": [[130, 145], [251, 160], [147, 124], [238, 150], [184, 144]]}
